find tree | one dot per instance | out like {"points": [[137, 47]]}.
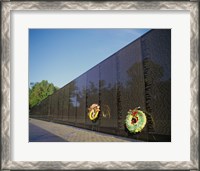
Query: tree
{"points": [[40, 91]]}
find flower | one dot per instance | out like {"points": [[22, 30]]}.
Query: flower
{"points": [[134, 112]]}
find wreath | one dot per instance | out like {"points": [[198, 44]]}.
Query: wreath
{"points": [[93, 111], [135, 121]]}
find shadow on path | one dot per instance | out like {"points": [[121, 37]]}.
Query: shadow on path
{"points": [[37, 134]]}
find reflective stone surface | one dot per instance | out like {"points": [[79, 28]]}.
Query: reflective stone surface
{"points": [[92, 95], [156, 50], [108, 93], [137, 75], [81, 99], [66, 103], [131, 81], [72, 101]]}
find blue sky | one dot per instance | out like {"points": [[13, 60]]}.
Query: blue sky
{"points": [[61, 55]]}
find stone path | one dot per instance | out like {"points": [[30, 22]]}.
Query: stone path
{"points": [[38, 134], [42, 131]]}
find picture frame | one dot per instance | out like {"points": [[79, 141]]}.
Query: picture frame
{"points": [[6, 87]]}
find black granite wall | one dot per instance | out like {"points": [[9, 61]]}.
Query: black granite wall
{"points": [[137, 75]]}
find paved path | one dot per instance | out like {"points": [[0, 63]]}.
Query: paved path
{"points": [[42, 131], [38, 134]]}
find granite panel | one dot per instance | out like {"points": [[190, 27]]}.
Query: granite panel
{"points": [[72, 102], [131, 92], [156, 50], [92, 95], [108, 93], [81, 99]]}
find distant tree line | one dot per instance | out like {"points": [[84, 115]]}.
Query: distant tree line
{"points": [[40, 91]]}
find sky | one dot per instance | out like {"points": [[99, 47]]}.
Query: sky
{"points": [[61, 55]]}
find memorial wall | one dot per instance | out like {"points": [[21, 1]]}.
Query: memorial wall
{"points": [[137, 75]]}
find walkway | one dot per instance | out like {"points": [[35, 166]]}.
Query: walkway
{"points": [[42, 131], [38, 134]]}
